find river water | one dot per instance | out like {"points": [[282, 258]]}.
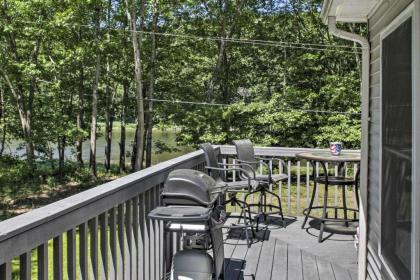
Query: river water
{"points": [[166, 136]]}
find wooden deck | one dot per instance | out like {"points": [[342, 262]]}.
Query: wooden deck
{"points": [[290, 253]]}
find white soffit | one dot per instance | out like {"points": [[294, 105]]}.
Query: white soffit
{"points": [[348, 10]]}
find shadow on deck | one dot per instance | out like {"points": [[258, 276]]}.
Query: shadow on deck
{"points": [[290, 253]]}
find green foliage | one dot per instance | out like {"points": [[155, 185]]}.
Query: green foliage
{"points": [[49, 50]]}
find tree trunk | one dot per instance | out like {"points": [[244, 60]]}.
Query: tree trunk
{"points": [[221, 58], [3, 120], [79, 117], [137, 43], [25, 111], [95, 101], [109, 116], [109, 119], [123, 124], [134, 151], [61, 149], [218, 69], [149, 130], [24, 104]]}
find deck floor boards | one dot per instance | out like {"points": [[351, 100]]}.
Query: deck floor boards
{"points": [[290, 253]]}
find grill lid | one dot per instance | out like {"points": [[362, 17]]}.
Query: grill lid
{"points": [[189, 187]]}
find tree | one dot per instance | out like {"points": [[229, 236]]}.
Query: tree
{"points": [[136, 39], [150, 93], [93, 124], [272, 88], [109, 111], [20, 69]]}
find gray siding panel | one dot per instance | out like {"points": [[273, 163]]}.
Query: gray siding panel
{"points": [[374, 91], [375, 117], [375, 51], [383, 16], [375, 79], [374, 105]]}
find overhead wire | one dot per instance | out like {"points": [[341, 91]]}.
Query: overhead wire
{"points": [[268, 43], [312, 111]]}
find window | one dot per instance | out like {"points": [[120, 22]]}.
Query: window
{"points": [[397, 108]]}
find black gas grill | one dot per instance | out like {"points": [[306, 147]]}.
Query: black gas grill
{"points": [[191, 208]]}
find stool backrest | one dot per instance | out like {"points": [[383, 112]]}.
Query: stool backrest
{"points": [[245, 152], [211, 160]]}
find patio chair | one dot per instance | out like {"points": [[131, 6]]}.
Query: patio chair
{"points": [[217, 171], [248, 162]]}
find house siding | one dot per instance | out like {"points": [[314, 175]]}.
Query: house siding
{"points": [[378, 21]]}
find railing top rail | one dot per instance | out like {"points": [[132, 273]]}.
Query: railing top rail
{"points": [[74, 210], [271, 151]]}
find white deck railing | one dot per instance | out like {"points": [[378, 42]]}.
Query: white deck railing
{"points": [[104, 233]]}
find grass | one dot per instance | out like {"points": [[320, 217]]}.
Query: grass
{"points": [[23, 189]]}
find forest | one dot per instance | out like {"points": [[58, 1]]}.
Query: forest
{"points": [[215, 70]]}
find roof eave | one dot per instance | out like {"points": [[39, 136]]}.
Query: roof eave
{"points": [[329, 8]]}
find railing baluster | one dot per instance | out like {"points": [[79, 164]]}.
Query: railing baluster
{"points": [[128, 242], [42, 255], [58, 257], [25, 266], [152, 236], [161, 240], [308, 184], [93, 232], [168, 253], [147, 273], [224, 167], [135, 233], [336, 187], [289, 187], [270, 166], [113, 263], [83, 251], [120, 244], [158, 240], [317, 190], [71, 254], [234, 180], [280, 183], [6, 271], [346, 187], [141, 241], [298, 188], [329, 193], [103, 257]]}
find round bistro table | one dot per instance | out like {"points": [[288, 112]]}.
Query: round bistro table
{"points": [[323, 157]]}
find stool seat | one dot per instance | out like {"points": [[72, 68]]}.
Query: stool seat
{"points": [[335, 180]]}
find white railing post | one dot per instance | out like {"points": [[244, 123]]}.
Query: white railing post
{"points": [[298, 188]]}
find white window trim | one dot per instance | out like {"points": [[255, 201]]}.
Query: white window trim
{"points": [[409, 12]]}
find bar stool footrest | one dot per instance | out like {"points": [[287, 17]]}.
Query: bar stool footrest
{"points": [[335, 180], [351, 210]]}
